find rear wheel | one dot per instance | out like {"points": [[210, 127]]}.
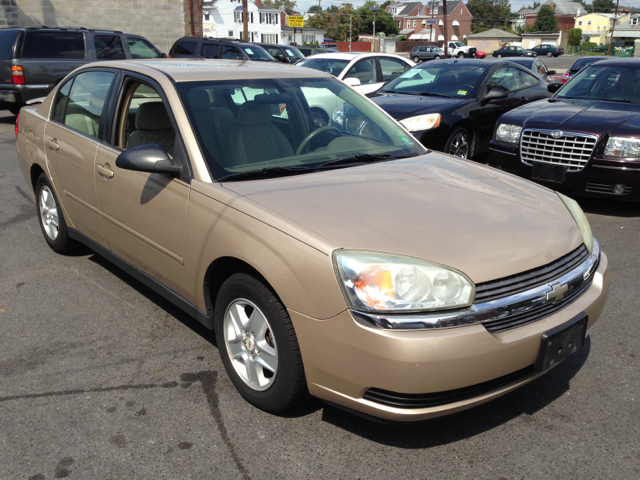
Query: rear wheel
{"points": [[437, 57], [416, 59], [549, 54], [258, 345], [51, 219], [499, 56], [459, 143]]}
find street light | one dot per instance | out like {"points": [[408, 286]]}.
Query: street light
{"points": [[374, 10]]}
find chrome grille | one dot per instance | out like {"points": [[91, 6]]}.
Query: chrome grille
{"points": [[573, 150]]}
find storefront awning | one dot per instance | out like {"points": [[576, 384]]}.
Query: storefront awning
{"points": [[440, 38], [454, 38], [441, 23], [420, 36], [456, 23]]}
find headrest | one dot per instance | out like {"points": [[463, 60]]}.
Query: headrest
{"points": [[252, 113], [152, 116], [199, 99]]}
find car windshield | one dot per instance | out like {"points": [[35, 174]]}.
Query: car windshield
{"points": [[328, 65], [617, 83], [293, 52], [259, 54], [583, 62], [286, 126], [439, 78], [459, 44], [527, 63]]}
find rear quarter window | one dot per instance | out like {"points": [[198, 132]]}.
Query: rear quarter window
{"points": [[7, 39], [53, 45], [185, 48]]}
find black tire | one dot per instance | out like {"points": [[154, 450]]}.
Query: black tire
{"points": [[460, 55], [61, 242], [416, 59], [289, 387], [437, 57], [457, 133]]}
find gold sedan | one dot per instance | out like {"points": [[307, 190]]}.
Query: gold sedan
{"points": [[331, 252]]}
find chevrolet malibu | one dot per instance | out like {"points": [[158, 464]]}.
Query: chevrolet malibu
{"points": [[349, 263]]}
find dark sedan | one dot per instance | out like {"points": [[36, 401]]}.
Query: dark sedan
{"points": [[535, 65], [453, 105], [283, 53], [548, 50], [513, 52], [579, 65], [583, 140]]}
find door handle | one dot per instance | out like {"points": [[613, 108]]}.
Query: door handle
{"points": [[105, 172], [53, 144]]}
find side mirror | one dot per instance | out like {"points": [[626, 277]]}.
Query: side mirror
{"points": [[163, 55], [493, 94], [551, 72], [150, 158], [553, 87], [282, 58], [352, 81]]}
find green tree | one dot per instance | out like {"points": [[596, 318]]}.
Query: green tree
{"points": [[286, 5], [546, 20], [602, 6], [315, 9], [575, 36], [526, 29], [333, 9], [384, 21], [336, 25], [489, 14]]}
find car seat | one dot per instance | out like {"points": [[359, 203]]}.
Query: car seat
{"points": [[153, 125]]}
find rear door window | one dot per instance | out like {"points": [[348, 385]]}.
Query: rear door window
{"points": [[41, 44], [109, 47], [210, 51], [364, 70], [86, 101], [7, 39], [231, 53], [140, 48], [185, 48]]}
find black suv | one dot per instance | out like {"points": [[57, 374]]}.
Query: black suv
{"points": [[283, 53], [228, 49], [34, 59]]}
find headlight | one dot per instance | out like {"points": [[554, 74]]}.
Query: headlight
{"points": [[623, 147], [338, 115], [506, 133], [386, 282], [581, 220], [421, 122]]}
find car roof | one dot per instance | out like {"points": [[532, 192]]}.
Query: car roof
{"points": [[63, 29], [195, 69], [620, 62]]}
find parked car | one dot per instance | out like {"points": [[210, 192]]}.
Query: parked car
{"points": [[453, 105], [283, 53], [366, 72], [599, 48], [424, 53], [581, 141], [313, 253], [226, 49], [513, 52], [460, 50], [309, 51], [579, 65], [535, 65], [330, 45], [34, 59], [548, 50], [481, 54]]}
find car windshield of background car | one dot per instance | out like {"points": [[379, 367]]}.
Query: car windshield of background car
{"points": [[612, 83], [258, 54], [326, 65], [441, 79], [293, 52], [253, 125]]}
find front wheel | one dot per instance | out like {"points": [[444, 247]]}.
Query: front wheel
{"points": [[459, 143], [437, 57], [549, 54], [460, 55], [258, 345], [51, 219], [416, 59], [499, 56]]}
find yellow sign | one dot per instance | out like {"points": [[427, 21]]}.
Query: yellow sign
{"points": [[296, 21]]}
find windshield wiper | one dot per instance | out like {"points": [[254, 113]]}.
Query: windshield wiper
{"points": [[265, 172], [430, 94], [361, 159]]}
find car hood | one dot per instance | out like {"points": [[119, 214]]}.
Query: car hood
{"points": [[478, 220], [586, 116], [402, 106]]}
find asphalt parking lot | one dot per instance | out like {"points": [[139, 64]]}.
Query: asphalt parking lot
{"points": [[100, 378]]}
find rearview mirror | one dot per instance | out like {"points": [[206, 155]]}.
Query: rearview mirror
{"points": [[493, 94], [150, 158], [553, 87], [352, 81]]}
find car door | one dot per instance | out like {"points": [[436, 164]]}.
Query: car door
{"points": [[71, 140], [145, 214], [366, 71]]}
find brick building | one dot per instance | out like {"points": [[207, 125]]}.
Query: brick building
{"points": [[566, 13], [161, 21], [459, 19]]}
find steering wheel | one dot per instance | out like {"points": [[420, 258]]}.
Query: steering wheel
{"points": [[313, 134]]}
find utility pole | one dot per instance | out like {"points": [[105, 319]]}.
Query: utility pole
{"points": [[374, 10], [444, 17], [613, 29], [350, 32], [245, 21]]}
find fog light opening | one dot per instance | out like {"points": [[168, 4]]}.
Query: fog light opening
{"points": [[619, 189]]}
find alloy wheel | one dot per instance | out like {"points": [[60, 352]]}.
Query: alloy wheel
{"points": [[49, 213], [250, 344], [459, 146]]}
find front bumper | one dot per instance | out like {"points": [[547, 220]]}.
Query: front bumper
{"points": [[343, 358], [596, 179]]}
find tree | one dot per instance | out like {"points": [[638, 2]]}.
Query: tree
{"points": [[333, 9], [602, 6], [384, 20], [546, 20], [526, 29], [287, 5], [575, 37], [489, 14], [315, 9], [336, 25]]}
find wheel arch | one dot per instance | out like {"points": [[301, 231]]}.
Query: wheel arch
{"points": [[34, 173], [470, 127]]}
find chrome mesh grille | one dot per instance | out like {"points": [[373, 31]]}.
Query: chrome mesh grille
{"points": [[572, 150]]}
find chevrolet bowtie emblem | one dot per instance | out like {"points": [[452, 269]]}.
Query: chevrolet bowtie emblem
{"points": [[557, 292], [556, 134]]}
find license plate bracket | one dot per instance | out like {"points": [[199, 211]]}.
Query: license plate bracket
{"points": [[562, 341], [548, 172]]}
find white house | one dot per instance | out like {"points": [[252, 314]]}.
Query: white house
{"points": [[223, 19]]}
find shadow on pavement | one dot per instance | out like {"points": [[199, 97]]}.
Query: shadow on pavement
{"points": [[609, 207], [7, 118], [441, 431]]}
